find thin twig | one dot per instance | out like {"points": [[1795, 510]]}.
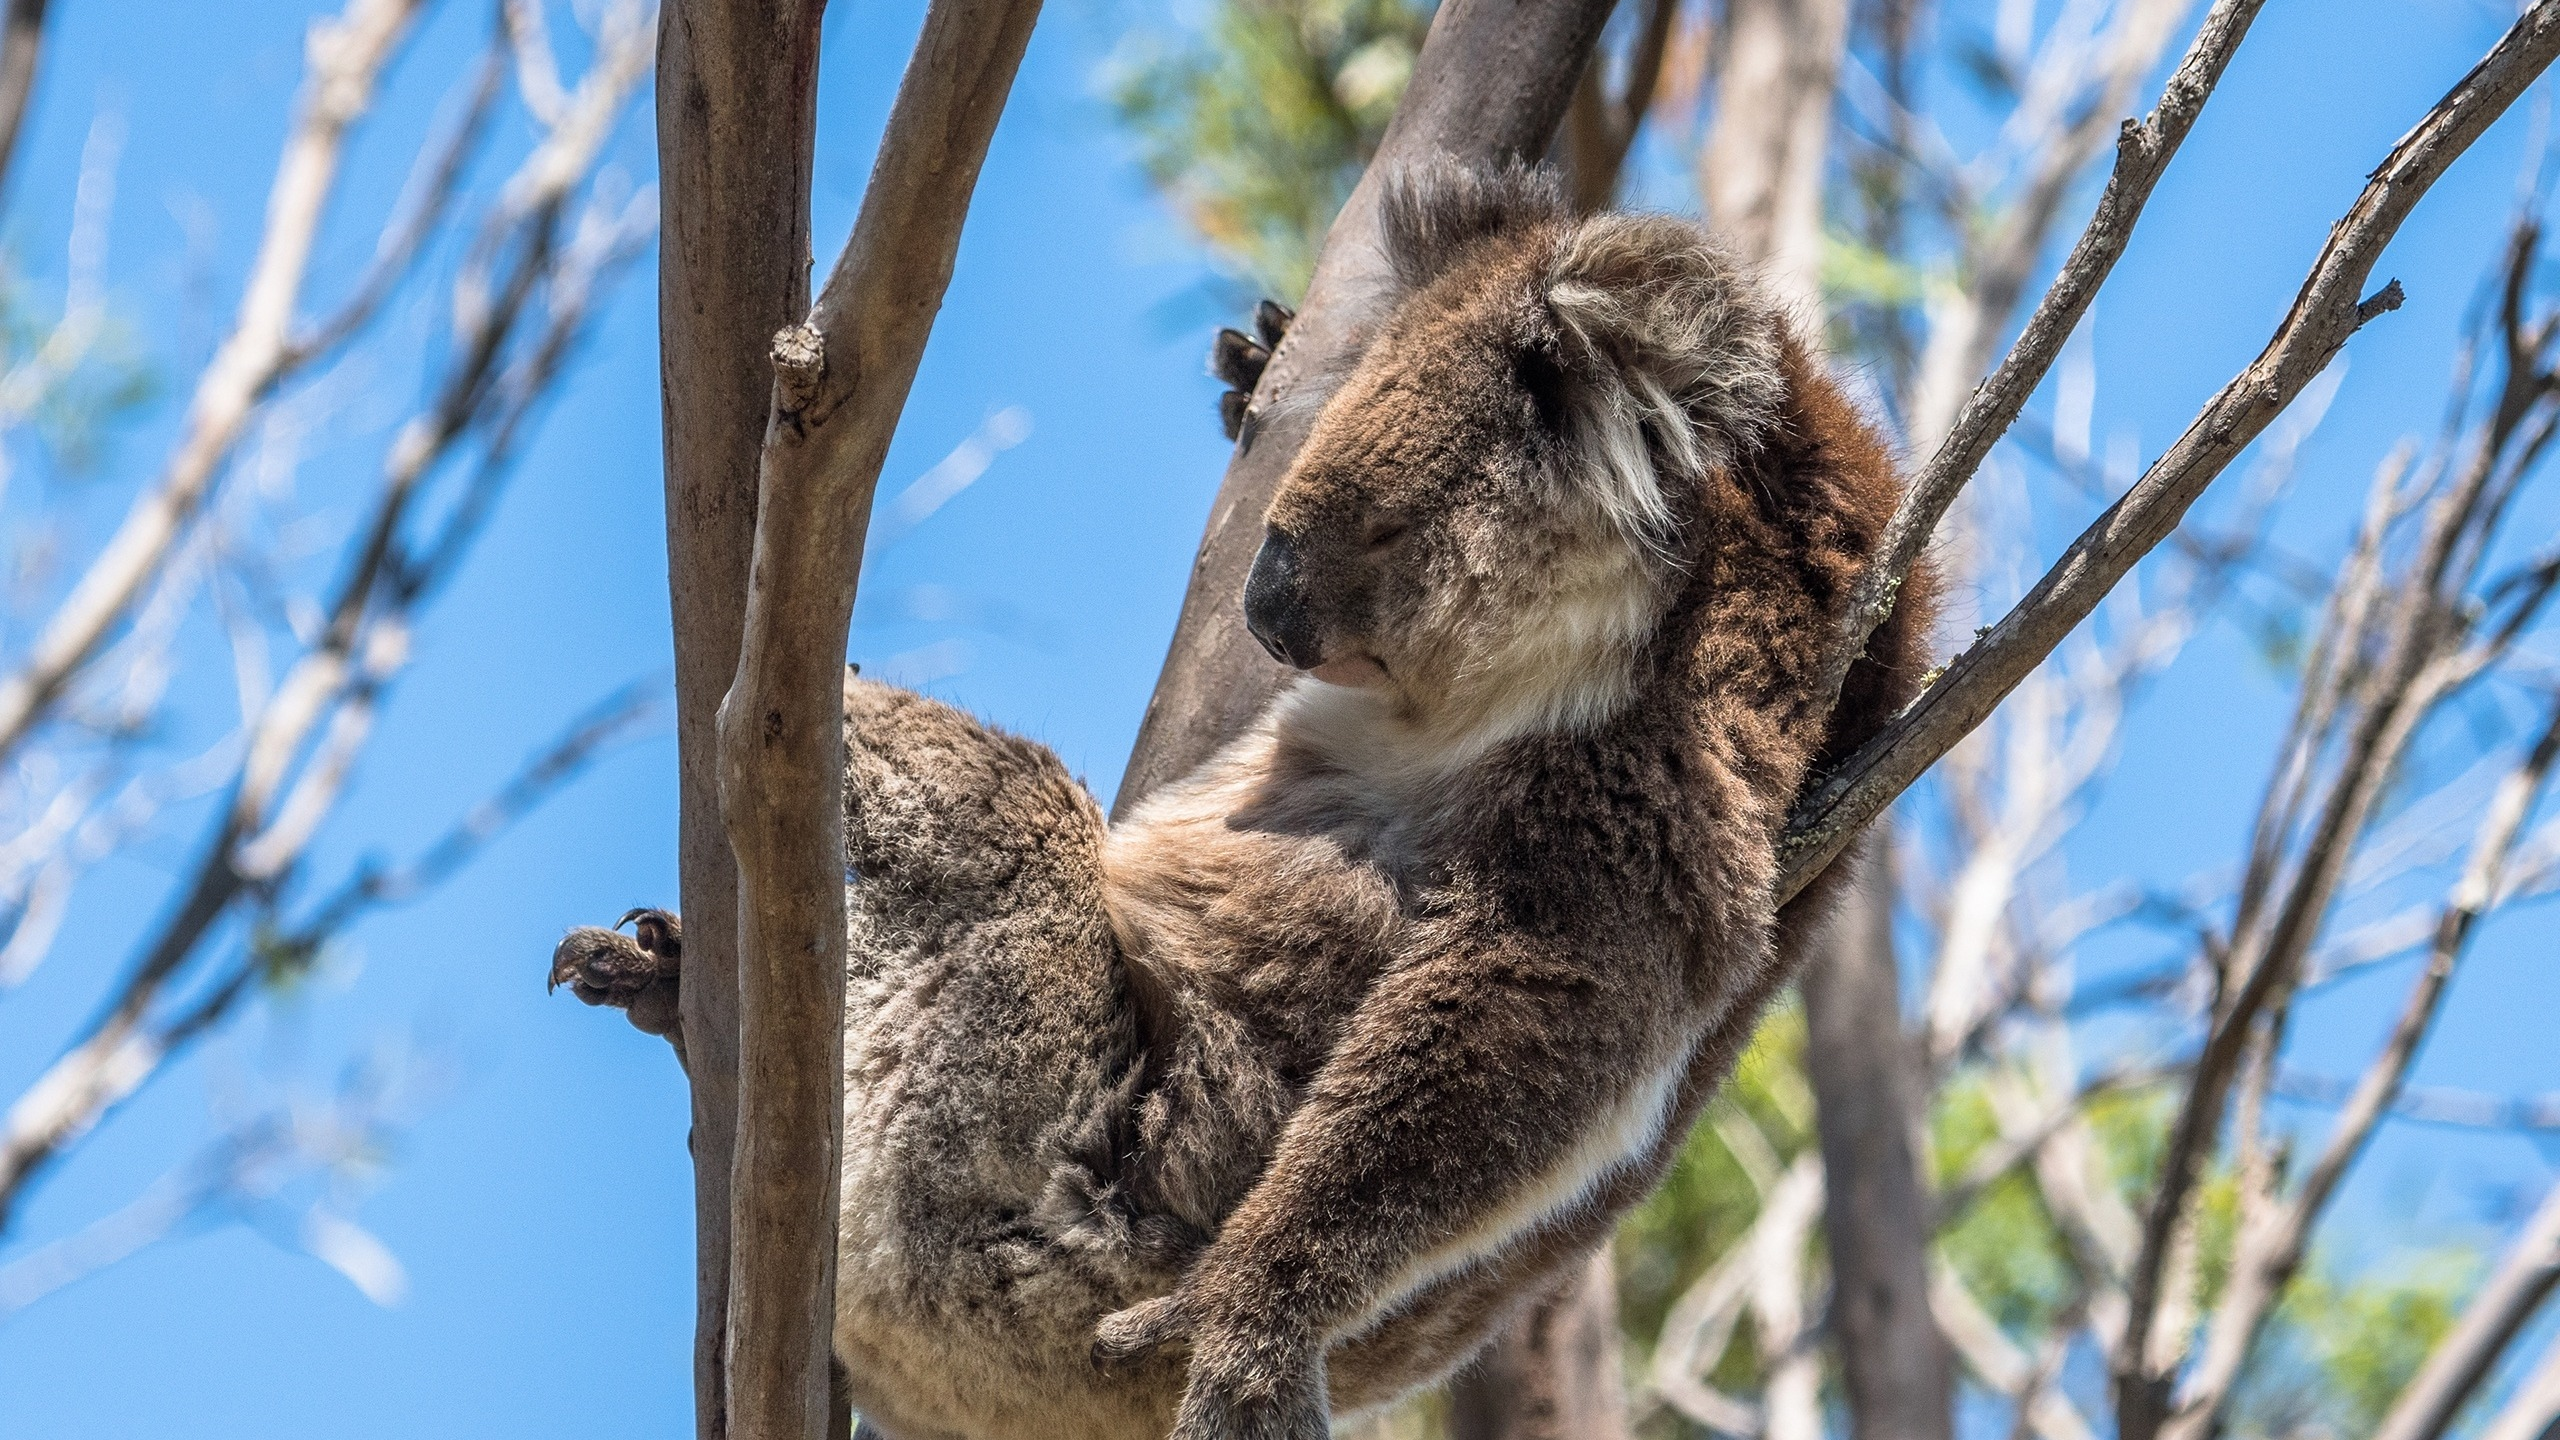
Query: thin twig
{"points": [[347, 56], [2143, 152]]}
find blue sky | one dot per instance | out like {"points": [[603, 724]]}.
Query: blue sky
{"points": [[541, 1203]]}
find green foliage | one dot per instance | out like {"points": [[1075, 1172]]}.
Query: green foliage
{"points": [[1258, 126], [1709, 1200], [91, 381], [2342, 1346], [2371, 1334], [2004, 1245], [1856, 273]]}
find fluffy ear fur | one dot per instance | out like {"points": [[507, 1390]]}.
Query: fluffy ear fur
{"points": [[1432, 213], [1646, 347], [1677, 353]]}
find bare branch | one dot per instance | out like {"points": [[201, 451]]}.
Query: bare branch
{"points": [[2324, 315], [840, 380], [2061, 123], [346, 57], [2272, 1243], [2463, 1359], [2143, 153], [123, 1051], [275, 807]]}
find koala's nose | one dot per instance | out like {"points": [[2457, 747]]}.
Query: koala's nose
{"points": [[1275, 604]]}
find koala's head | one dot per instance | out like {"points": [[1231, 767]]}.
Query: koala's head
{"points": [[1492, 512]]}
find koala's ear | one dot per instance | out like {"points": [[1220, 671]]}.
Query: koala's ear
{"points": [[1673, 357], [1434, 211]]}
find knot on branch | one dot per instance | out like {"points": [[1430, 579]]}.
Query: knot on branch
{"points": [[2381, 302], [2133, 138], [799, 365]]}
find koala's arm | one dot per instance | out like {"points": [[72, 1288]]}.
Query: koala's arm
{"points": [[1461, 1091], [944, 817]]}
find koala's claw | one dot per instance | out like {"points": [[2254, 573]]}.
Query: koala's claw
{"points": [[1283, 1401], [1271, 321], [1238, 359], [637, 973]]}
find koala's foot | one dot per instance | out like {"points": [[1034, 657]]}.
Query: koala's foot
{"points": [[1239, 1387], [1239, 360], [636, 973]]}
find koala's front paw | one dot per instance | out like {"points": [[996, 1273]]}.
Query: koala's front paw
{"points": [[1244, 1385], [1239, 359], [637, 973], [1254, 1392]]}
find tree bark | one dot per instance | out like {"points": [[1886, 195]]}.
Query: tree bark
{"points": [[1555, 1374], [737, 117], [1868, 1098]]}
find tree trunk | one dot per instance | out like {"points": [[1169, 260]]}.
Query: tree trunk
{"points": [[1555, 1374], [1867, 1091], [737, 114]]}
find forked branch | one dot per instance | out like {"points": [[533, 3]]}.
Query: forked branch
{"points": [[2329, 309], [840, 379]]}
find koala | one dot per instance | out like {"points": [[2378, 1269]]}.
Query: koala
{"points": [[1275, 1101]]}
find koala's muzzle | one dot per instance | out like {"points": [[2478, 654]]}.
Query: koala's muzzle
{"points": [[1276, 611]]}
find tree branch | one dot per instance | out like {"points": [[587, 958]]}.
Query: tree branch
{"points": [[737, 112], [278, 794], [840, 379], [346, 57], [2143, 152], [2324, 315]]}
